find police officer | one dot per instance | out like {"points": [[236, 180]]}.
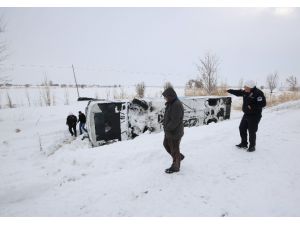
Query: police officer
{"points": [[253, 102]]}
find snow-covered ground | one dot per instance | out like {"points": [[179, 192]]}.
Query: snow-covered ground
{"points": [[45, 172]]}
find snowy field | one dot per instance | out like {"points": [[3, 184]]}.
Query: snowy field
{"points": [[45, 172], [34, 96]]}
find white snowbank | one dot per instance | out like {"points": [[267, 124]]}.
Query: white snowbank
{"points": [[45, 172]]}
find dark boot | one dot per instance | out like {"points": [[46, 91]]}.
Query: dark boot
{"points": [[172, 170], [242, 145], [251, 149]]}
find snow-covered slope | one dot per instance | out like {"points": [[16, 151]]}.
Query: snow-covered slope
{"points": [[44, 172]]}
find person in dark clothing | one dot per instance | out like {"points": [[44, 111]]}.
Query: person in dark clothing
{"points": [[253, 102], [82, 121], [173, 128], [71, 122]]}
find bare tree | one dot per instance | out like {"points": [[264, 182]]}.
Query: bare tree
{"points": [[46, 93], [208, 68], [292, 82], [167, 85], [272, 81], [140, 89]]}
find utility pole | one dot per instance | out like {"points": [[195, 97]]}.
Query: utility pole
{"points": [[75, 80]]}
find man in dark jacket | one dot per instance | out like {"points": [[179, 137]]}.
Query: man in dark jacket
{"points": [[71, 122], [253, 102], [82, 121], [173, 128]]}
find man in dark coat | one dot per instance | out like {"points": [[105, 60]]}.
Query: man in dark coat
{"points": [[71, 122], [82, 121], [253, 102], [173, 128]]}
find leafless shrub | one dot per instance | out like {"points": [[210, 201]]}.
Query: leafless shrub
{"points": [[221, 90], [272, 81], [140, 89], [282, 98], [208, 68], [67, 96], [194, 92], [292, 82], [46, 93], [123, 94], [197, 83], [194, 88], [9, 101]]}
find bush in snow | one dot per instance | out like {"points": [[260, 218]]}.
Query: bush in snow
{"points": [[46, 92], [140, 90], [292, 82], [9, 101]]}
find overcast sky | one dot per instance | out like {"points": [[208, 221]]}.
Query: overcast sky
{"points": [[154, 45]]}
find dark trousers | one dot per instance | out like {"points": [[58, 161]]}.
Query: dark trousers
{"points": [[72, 129], [172, 147], [81, 127], [249, 123]]}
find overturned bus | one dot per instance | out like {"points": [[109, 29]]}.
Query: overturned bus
{"points": [[109, 121]]}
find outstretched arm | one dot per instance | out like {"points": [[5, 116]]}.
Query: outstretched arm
{"points": [[236, 92]]}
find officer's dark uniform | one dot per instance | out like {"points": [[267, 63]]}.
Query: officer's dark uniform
{"points": [[253, 103]]}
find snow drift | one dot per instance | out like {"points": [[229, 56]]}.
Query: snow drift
{"points": [[44, 172]]}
